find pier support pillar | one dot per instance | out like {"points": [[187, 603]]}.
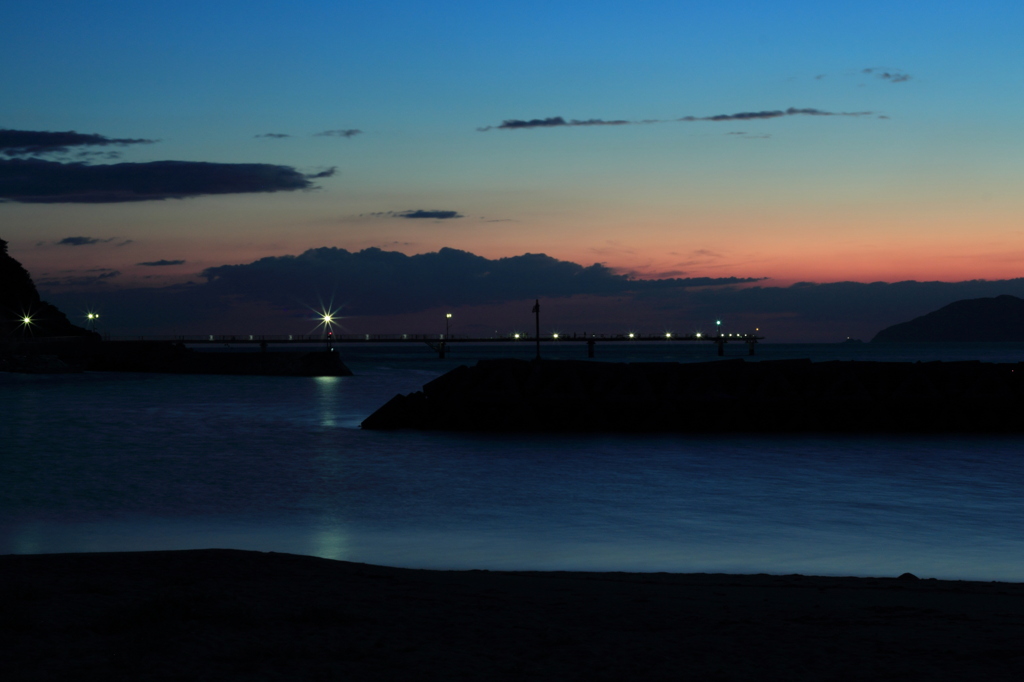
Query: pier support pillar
{"points": [[590, 347], [750, 346], [721, 346], [441, 350]]}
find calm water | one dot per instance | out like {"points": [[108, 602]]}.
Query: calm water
{"points": [[133, 461]]}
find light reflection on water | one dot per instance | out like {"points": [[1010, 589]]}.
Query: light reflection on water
{"points": [[120, 461]]}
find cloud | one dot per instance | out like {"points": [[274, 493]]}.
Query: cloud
{"points": [[36, 142], [161, 262], [39, 181], [560, 122], [380, 285], [350, 132], [330, 172], [774, 113], [891, 75], [436, 215], [374, 282], [273, 135], [81, 280], [417, 214], [554, 122], [83, 241]]}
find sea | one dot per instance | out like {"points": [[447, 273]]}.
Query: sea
{"points": [[104, 462]]}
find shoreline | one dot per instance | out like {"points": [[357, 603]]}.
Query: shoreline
{"points": [[234, 614]]}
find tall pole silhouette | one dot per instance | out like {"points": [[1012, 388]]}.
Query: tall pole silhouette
{"points": [[536, 314]]}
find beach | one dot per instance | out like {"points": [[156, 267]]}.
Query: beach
{"points": [[234, 615]]}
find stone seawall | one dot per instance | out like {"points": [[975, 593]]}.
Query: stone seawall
{"points": [[723, 396]]}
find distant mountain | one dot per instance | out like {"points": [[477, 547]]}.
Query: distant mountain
{"points": [[977, 319], [19, 299]]}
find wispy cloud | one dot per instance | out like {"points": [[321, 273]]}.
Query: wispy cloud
{"points": [[560, 122], [161, 262], [83, 241], [349, 132], [891, 75], [273, 135], [425, 214], [81, 280], [773, 113]]}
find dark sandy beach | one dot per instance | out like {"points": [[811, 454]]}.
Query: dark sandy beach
{"points": [[234, 615]]}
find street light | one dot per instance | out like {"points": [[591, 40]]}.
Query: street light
{"points": [[329, 338], [447, 323]]}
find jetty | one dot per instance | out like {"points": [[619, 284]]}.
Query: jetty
{"points": [[442, 343], [718, 396]]}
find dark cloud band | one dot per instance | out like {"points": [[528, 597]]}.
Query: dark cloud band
{"points": [[46, 182], [36, 142]]}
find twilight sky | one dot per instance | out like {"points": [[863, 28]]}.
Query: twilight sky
{"points": [[784, 142]]}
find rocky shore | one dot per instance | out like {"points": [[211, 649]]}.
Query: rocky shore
{"points": [[727, 395]]}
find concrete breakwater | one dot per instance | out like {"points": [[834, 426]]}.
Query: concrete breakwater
{"points": [[722, 396]]}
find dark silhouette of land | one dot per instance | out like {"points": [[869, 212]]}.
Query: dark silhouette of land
{"points": [[722, 396], [48, 343], [233, 615], [19, 298], [999, 319]]}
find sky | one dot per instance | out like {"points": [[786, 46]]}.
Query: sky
{"points": [[817, 170]]}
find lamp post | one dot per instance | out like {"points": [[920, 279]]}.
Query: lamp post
{"points": [[536, 314], [330, 332]]}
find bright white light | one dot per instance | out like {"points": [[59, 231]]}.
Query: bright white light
{"points": [[698, 335], [718, 322], [555, 336], [327, 319], [631, 335], [515, 336], [448, 315], [26, 320], [668, 335]]}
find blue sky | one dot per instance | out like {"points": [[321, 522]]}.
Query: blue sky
{"points": [[922, 184]]}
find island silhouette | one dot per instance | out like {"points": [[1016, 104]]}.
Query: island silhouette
{"points": [[998, 319]]}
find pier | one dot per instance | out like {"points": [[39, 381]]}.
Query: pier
{"points": [[441, 344]]}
